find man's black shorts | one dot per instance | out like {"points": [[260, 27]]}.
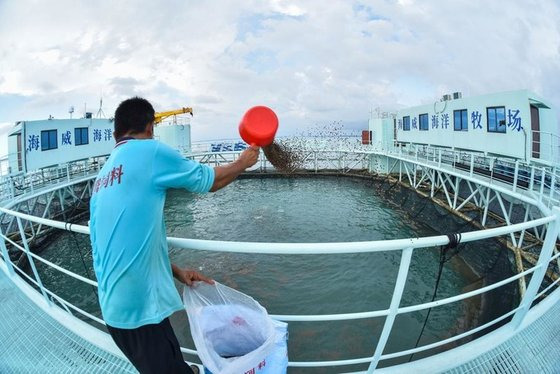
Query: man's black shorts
{"points": [[151, 348]]}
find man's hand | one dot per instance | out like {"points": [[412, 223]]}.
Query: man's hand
{"points": [[249, 157], [225, 174], [188, 276]]}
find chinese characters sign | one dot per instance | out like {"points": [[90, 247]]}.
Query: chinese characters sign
{"points": [[475, 120], [99, 135], [442, 121], [435, 121], [67, 138], [96, 135], [32, 143], [514, 120]]}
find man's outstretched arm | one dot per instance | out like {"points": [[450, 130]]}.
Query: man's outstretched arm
{"points": [[224, 175]]}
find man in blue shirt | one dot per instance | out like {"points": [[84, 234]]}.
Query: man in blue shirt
{"points": [[128, 236]]}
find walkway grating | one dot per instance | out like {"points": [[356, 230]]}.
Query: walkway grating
{"points": [[535, 349], [33, 342]]}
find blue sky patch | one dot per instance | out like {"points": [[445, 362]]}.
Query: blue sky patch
{"points": [[261, 60]]}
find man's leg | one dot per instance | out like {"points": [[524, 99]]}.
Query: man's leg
{"points": [[151, 348]]}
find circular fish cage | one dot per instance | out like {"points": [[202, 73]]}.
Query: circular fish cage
{"points": [[321, 209]]}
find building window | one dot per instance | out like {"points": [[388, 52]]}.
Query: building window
{"points": [[406, 123], [81, 135], [460, 120], [496, 117], [423, 119], [49, 140]]}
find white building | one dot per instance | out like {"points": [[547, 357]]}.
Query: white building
{"points": [[34, 145], [517, 124]]}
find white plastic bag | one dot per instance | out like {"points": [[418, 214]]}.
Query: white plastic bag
{"points": [[233, 333]]}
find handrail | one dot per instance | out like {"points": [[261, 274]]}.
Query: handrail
{"points": [[60, 299], [51, 264], [329, 317], [451, 339], [15, 185], [466, 295], [308, 248]]}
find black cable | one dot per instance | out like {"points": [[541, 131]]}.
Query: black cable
{"points": [[454, 240], [86, 268]]}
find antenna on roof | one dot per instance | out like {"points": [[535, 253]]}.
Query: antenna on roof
{"points": [[71, 110], [100, 112]]}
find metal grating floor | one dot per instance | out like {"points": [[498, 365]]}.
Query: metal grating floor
{"points": [[32, 342], [536, 349]]}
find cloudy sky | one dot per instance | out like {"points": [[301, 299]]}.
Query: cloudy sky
{"points": [[313, 62]]}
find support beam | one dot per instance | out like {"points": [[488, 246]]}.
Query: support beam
{"points": [[506, 217], [444, 189]]}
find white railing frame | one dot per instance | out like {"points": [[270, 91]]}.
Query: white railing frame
{"points": [[40, 179]]}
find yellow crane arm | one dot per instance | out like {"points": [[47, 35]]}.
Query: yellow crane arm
{"points": [[160, 116]]}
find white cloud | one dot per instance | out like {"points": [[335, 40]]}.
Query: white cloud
{"points": [[313, 62], [287, 7]]}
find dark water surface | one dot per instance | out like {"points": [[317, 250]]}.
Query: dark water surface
{"points": [[316, 210]]}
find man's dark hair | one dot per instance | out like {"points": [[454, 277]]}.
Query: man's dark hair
{"points": [[132, 116]]}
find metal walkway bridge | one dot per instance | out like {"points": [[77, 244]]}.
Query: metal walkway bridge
{"points": [[40, 331]]}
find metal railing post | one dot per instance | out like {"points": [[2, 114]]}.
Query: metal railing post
{"points": [[5, 254], [31, 262], [543, 175], [552, 185], [393, 308], [541, 267], [515, 175], [12, 188]]}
